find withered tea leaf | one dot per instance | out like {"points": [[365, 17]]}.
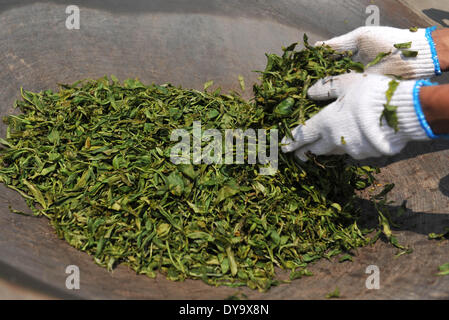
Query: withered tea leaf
{"points": [[378, 59], [409, 53], [406, 45], [389, 112]]}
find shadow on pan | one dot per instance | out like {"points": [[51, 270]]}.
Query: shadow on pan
{"points": [[413, 150], [405, 219], [437, 15], [22, 279]]}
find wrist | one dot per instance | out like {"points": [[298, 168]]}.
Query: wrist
{"points": [[441, 39], [435, 107]]}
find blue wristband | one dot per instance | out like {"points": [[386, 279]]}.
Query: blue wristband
{"points": [[418, 108], [433, 49]]}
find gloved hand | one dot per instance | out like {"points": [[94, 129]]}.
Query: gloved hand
{"points": [[367, 42], [352, 125]]}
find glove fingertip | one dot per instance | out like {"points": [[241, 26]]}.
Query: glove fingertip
{"points": [[288, 145], [315, 92], [325, 89], [301, 156]]}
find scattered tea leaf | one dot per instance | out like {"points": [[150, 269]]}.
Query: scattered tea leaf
{"points": [[333, 295], [444, 270], [389, 112], [378, 59], [242, 82], [409, 53], [405, 45]]}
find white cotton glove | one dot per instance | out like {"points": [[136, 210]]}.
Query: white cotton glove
{"points": [[367, 42], [351, 124]]}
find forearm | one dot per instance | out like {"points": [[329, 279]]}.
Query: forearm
{"points": [[435, 105], [441, 38]]}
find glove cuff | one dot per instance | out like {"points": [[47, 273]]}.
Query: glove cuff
{"points": [[433, 50], [409, 124], [426, 63], [411, 120], [418, 109]]}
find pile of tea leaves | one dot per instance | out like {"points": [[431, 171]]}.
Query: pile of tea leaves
{"points": [[94, 158], [287, 78]]}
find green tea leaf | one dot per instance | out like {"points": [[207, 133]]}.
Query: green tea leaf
{"points": [[53, 137], [409, 53], [444, 270], [378, 59], [232, 263], [36, 193], [242, 82], [346, 257], [389, 112], [208, 84], [406, 45], [175, 184], [334, 294]]}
